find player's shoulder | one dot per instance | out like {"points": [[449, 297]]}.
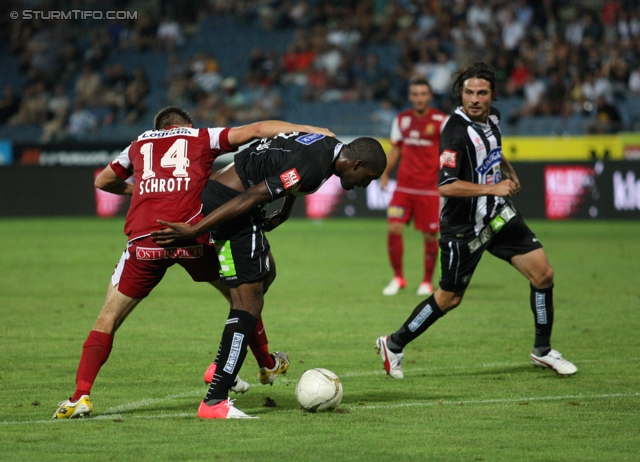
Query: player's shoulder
{"points": [[455, 123]]}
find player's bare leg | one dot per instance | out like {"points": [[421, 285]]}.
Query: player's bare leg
{"points": [[395, 249]]}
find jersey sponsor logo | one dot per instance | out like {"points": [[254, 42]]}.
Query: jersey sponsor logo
{"points": [[448, 159], [153, 253], [290, 178], [234, 354], [490, 167], [309, 139], [178, 131], [417, 142]]}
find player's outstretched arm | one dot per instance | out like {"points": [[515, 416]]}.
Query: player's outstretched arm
{"points": [[461, 188], [108, 181], [239, 205], [268, 129]]}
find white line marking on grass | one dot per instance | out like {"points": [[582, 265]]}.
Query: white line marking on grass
{"points": [[492, 401], [147, 402], [351, 407]]}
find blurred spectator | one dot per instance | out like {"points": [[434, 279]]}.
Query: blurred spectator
{"points": [[88, 86], [372, 82], [81, 121], [42, 54], [9, 104], [134, 96], [205, 72], [58, 112], [33, 106], [98, 49], [120, 34], [607, 118], [170, 34], [145, 32], [534, 90], [232, 96]]}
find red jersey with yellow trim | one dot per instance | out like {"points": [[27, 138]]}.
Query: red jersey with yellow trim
{"points": [[170, 168], [419, 141]]}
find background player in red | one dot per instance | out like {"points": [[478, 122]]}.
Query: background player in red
{"points": [[415, 137], [170, 165]]}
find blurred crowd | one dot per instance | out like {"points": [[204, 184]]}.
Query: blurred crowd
{"points": [[558, 57]]}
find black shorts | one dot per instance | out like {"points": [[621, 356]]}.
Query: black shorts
{"points": [[458, 261], [243, 249]]}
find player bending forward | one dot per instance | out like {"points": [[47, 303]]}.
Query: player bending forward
{"points": [[284, 166]]}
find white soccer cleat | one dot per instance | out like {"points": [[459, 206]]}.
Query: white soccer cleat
{"points": [[240, 386], [392, 361], [554, 360], [394, 286], [223, 410], [425, 288]]}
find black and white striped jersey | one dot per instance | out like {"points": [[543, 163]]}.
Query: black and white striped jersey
{"points": [[472, 152]]}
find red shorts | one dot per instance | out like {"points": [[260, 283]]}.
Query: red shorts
{"points": [[423, 209], [144, 263]]}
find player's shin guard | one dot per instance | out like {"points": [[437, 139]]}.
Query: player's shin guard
{"points": [[395, 247], [425, 314], [231, 353], [542, 307], [95, 352]]}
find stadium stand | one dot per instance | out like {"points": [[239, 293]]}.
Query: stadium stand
{"points": [[327, 63]]}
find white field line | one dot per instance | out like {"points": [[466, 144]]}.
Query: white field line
{"points": [[114, 412], [351, 407]]}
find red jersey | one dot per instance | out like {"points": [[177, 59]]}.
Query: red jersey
{"points": [[170, 168], [419, 141]]}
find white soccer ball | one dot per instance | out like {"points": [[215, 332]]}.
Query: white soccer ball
{"points": [[319, 390]]}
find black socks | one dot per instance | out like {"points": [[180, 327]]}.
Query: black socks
{"points": [[425, 314], [542, 307], [231, 353]]}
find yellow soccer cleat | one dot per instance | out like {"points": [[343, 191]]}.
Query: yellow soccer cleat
{"points": [[69, 410], [268, 376]]}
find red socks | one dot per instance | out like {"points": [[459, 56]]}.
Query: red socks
{"points": [[260, 347], [395, 249], [95, 351], [430, 258]]}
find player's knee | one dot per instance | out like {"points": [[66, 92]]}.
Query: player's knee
{"points": [[395, 227], [544, 278]]}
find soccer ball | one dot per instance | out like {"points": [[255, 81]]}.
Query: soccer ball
{"points": [[319, 390]]}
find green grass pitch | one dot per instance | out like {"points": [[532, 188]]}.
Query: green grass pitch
{"points": [[469, 393]]}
